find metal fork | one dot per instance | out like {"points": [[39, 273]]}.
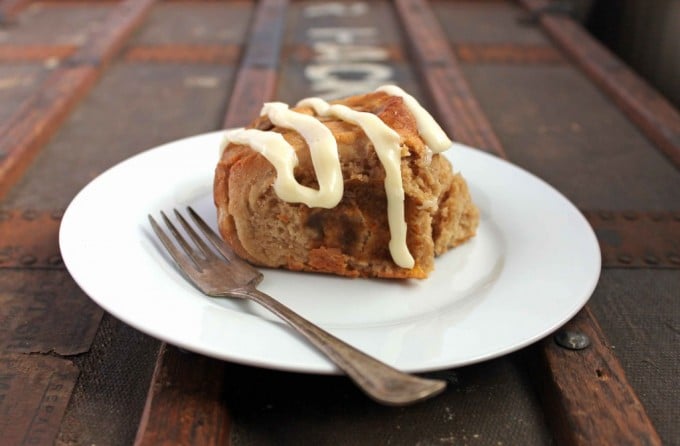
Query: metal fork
{"points": [[230, 276]]}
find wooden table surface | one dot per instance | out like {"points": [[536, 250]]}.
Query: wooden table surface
{"points": [[86, 84]]}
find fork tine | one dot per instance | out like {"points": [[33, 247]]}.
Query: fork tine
{"points": [[200, 243], [215, 239], [175, 253], [188, 249]]}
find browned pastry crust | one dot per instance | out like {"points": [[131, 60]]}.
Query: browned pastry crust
{"points": [[352, 238]]}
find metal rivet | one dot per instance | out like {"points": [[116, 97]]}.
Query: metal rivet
{"points": [[674, 258], [630, 215], [56, 215], [30, 215], [606, 215], [573, 340], [624, 258], [651, 259], [55, 260], [28, 259], [4, 215]]}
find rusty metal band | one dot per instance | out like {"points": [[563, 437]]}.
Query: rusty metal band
{"points": [[557, 375], [29, 238], [472, 53], [176, 53], [634, 239], [35, 53], [475, 53], [648, 109]]}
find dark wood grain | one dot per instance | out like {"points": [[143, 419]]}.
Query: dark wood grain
{"points": [[587, 397], [256, 79], [185, 402], [455, 107], [649, 110], [41, 115]]}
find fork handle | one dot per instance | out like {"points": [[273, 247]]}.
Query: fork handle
{"points": [[378, 380]]}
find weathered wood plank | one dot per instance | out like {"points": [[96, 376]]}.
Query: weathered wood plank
{"points": [[456, 108], [29, 238], [256, 80], [42, 114], [650, 111], [587, 396], [185, 402], [565, 377]]}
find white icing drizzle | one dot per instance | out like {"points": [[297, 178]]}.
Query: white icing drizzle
{"points": [[387, 146], [324, 153], [429, 130], [323, 149], [281, 155]]}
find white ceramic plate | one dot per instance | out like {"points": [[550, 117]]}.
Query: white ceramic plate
{"points": [[532, 266]]}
